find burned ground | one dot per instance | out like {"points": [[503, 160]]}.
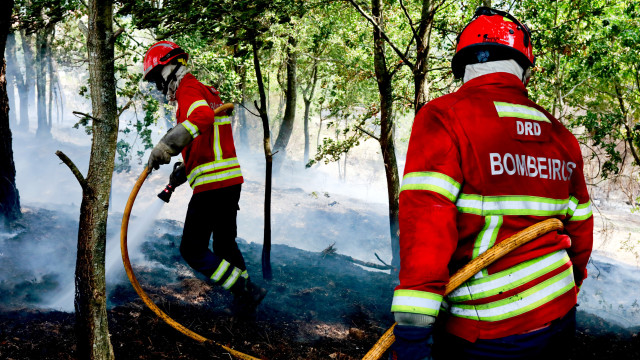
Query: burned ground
{"points": [[317, 308]]}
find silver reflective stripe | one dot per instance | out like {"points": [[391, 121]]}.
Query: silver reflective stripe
{"points": [[486, 238], [509, 279], [582, 212], [219, 176], [417, 302], [212, 166], [511, 205], [222, 268], [573, 205], [519, 111], [432, 181], [222, 120], [196, 104], [217, 149], [191, 128], [235, 274], [526, 301], [245, 274]]}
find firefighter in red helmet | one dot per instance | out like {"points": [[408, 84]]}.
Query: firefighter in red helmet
{"points": [[211, 168], [483, 163]]}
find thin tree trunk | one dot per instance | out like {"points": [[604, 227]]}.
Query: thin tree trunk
{"points": [[9, 197], [423, 41], [14, 72], [11, 99], [29, 77], [243, 126], [387, 145], [41, 84], [307, 97], [90, 301], [284, 134], [262, 110]]}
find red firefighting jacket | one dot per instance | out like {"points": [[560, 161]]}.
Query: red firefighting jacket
{"points": [[484, 163], [210, 159]]}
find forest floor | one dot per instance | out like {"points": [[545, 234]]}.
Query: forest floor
{"points": [[318, 307]]}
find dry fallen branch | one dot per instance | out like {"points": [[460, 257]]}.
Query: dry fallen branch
{"points": [[332, 251]]}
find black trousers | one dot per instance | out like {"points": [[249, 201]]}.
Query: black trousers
{"points": [[212, 212], [554, 342]]}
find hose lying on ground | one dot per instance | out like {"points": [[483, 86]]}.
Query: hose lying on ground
{"points": [[136, 284], [472, 268]]}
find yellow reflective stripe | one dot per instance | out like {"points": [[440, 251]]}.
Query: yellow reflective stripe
{"points": [[222, 268], [212, 166], [431, 181], [525, 301], [582, 212], [222, 120], [215, 177], [217, 149], [519, 111], [195, 105], [486, 238], [191, 128], [511, 205], [416, 302], [235, 274], [510, 278], [244, 274]]}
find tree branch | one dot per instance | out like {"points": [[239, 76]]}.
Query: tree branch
{"points": [[368, 133], [331, 251], [85, 115], [382, 33], [406, 13], [65, 159]]}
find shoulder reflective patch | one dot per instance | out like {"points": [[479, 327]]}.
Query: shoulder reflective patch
{"points": [[519, 111], [196, 105]]}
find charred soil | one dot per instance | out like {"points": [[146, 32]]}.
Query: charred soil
{"points": [[318, 307]]}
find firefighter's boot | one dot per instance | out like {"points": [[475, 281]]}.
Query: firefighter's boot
{"points": [[246, 297]]}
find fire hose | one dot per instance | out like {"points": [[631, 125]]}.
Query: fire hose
{"points": [[136, 285], [472, 268]]}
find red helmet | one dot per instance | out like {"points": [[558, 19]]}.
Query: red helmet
{"points": [[159, 54], [492, 35]]}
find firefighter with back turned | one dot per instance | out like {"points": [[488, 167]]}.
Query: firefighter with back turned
{"points": [[483, 163]]}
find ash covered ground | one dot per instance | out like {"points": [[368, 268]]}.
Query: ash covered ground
{"points": [[318, 307]]}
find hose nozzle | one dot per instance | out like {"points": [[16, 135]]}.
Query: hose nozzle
{"points": [[165, 195]]}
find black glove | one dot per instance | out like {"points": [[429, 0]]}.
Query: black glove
{"points": [[412, 343], [178, 175]]}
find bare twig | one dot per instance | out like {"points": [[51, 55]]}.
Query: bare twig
{"points": [[78, 113], [74, 169], [368, 133], [125, 107], [382, 33], [332, 251]]}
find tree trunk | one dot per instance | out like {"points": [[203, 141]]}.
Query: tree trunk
{"points": [[308, 96], [262, 110], [9, 198], [284, 134], [386, 132], [11, 97], [14, 72], [43, 130], [423, 40], [29, 77], [243, 126], [90, 301]]}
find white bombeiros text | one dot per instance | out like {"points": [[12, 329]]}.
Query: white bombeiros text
{"points": [[531, 166]]}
